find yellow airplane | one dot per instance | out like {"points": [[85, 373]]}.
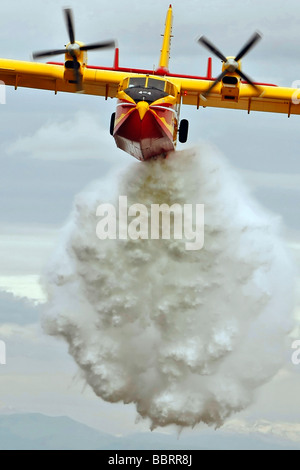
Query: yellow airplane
{"points": [[146, 121]]}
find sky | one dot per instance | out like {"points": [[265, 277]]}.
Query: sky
{"points": [[42, 171]]}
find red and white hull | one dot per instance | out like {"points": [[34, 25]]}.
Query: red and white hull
{"points": [[143, 130]]}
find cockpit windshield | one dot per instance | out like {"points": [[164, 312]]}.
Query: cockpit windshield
{"points": [[140, 82], [158, 84], [148, 89]]}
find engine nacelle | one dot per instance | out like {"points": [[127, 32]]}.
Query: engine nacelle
{"points": [[73, 50]]}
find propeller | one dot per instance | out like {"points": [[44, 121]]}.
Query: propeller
{"points": [[231, 65], [73, 49]]}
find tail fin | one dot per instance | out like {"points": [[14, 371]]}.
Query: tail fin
{"points": [[166, 45]]}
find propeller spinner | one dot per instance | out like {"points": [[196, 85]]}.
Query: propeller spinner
{"points": [[73, 48], [231, 65]]}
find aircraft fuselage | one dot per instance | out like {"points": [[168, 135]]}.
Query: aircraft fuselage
{"points": [[146, 118]]}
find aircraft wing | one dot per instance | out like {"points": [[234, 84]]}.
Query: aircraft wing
{"points": [[268, 98], [104, 82], [51, 77]]}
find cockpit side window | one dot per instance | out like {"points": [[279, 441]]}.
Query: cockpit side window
{"points": [[170, 89]]}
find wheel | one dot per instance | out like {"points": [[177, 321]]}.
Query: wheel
{"points": [[112, 123], [183, 130]]}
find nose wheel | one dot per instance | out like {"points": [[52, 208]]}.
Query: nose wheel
{"points": [[183, 131]]}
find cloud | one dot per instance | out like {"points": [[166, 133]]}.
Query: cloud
{"points": [[284, 430], [25, 249], [278, 192], [17, 311], [79, 138], [24, 287], [285, 181], [12, 331]]}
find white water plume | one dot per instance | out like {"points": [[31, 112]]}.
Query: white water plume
{"points": [[187, 336]]}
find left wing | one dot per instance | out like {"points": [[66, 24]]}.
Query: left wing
{"points": [[53, 77]]}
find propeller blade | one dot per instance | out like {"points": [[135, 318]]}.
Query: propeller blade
{"points": [[73, 51], [205, 42], [217, 80], [77, 75], [98, 45], [36, 55], [248, 80], [252, 41], [70, 24]]}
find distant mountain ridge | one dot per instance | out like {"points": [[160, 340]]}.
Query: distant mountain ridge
{"points": [[37, 431], [40, 432]]}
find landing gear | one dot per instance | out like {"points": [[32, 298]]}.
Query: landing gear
{"points": [[112, 123], [183, 131]]}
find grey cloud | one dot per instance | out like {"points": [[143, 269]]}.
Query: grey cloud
{"points": [[20, 311]]}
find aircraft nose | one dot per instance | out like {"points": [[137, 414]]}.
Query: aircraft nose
{"points": [[142, 107]]}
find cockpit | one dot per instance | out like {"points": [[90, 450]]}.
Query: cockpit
{"points": [[148, 89]]}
